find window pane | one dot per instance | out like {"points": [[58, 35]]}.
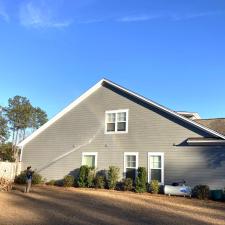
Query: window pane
{"points": [[155, 162], [121, 117], [121, 126], [131, 173], [110, 126], [89, 160], [131, 161], [111, 117], [156, 174]]}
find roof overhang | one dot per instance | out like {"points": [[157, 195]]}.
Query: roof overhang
{"points": [[96, 87], [205, 141]]}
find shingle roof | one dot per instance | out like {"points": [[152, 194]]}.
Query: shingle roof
{"points": [[217, 124]]}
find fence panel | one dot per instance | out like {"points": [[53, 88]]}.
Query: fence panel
{"points": [[9, 170]]}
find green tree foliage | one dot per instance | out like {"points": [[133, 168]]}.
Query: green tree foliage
{"points": [[127, 184], [4, 130], [91, 177], [20, 116], [6, 153], [83, 175], [201, 192], [100, 182], [38, 118], [154, 186], [68, 181], [21, 178], [113, 177], [141, 181]]}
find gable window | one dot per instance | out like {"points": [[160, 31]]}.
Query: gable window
{"points": [[156, 166], [89, 159], [116, 121], [130, 164]]}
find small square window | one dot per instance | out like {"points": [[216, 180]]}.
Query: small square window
{"points": [[116, 121]]}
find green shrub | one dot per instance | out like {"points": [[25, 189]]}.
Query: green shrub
{"points": [[99, 182], [113, 177], [127, 184], [82, 178], [201, 192], [68, 181], [154, 187], [141, 180], [51, 182], [59, 183], [37, 178], [21, 178], [91, 177]]}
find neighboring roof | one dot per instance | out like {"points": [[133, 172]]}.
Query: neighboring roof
{"points": [[139, 97], [205, 141], [217, 124], [190, 115]]}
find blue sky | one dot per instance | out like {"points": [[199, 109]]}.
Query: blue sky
{"points": [[172, 52]]}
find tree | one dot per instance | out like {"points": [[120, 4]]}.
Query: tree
{"points": [[18, 112], [21, 115], [6, 152], [38, 118], [4, 130]]}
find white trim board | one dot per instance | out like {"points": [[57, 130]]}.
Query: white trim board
{"points": [[93, 89], [116, 122], [124, 161], [92, 154]]}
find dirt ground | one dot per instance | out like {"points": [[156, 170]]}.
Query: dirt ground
{"points": [[60, 206]]}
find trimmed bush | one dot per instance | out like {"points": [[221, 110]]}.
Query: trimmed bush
{"points": [[82, 178], [21, 178], [154, 187], [68, 181], [51, 182], [37, 178], [59, 183], [99, 182], [141, 180], [91, 177], [201, 192], [113, 177], [127, 184]]}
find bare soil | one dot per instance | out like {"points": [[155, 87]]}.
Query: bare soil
{"points": [[65, 206]]}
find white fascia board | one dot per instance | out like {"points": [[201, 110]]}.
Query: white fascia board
{"points": [[61, 114], [206, 141]]}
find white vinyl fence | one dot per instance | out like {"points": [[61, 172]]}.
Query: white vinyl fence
{"points": [[9, 170]]}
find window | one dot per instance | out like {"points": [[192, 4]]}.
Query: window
{"points": [[89, 159], [116, 121], [130, 164], [156, 166]]}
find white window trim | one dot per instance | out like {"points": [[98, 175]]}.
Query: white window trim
{"points": [[90, 153], [162, 165], [124, 161], [117, 111]]}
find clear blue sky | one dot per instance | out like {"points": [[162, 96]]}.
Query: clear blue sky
{"points": [[172, 52]]}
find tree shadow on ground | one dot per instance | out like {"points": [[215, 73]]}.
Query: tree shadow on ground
{"points": [[71, 207]]}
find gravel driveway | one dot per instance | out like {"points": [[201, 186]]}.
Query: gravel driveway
{"points": [[60, 206]]}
